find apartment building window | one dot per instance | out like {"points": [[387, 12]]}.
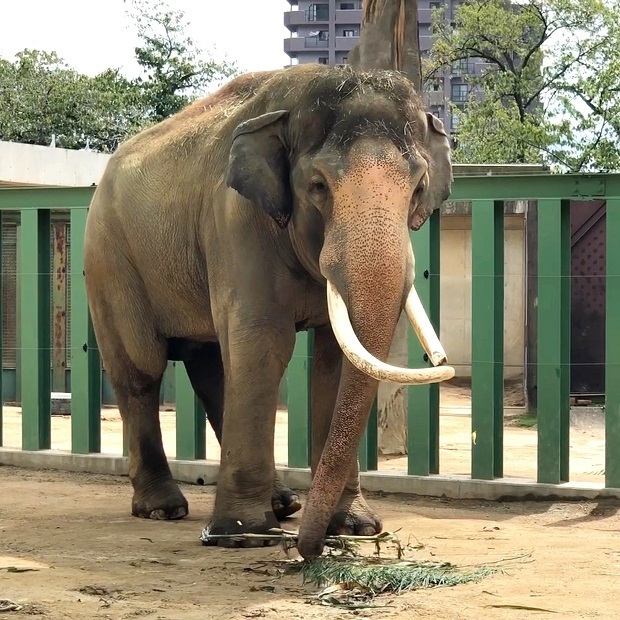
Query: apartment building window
{"points": [[435, 5], [317, 12], [349, 33], [349, 6], [464, 66], [345, 60], [323, 60], [317, 38], [460, 93]]}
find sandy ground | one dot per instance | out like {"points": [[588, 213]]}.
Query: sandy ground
{"points": [[520, 443], [90, 559], [77, 553]]}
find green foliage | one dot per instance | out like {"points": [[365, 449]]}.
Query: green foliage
{"points": [[381, 576], [491, 131], [589, 94], [175, 67], [549, 90], [42, 97]]}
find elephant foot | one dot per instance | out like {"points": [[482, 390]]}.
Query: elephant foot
{"points": [[257, 521], [164, 501], [354, 517], [284, 501]]}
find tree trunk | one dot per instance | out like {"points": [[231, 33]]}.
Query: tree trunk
{"points": [[389, 39], [392, 398]]}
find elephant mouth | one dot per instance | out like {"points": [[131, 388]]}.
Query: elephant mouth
{"points": [[363, 360], [418, 219]]}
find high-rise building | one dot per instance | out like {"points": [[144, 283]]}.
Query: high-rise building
{"points": [[325, 32], [322, 32]]}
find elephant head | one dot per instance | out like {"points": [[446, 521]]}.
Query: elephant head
{"points": [[345, 163]]}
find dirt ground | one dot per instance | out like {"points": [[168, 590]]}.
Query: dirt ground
{"points": [[90, 559], [587, 461]]}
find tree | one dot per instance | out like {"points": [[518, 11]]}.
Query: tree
{"points": [[42, 97], [589, 96], [519, 108], [114, 110], [175, 68]]}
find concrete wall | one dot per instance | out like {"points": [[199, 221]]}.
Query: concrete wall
{"points": [[456, 293], [28, 164]]}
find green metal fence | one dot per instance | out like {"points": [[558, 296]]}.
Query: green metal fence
{"points": [[487, 196]]}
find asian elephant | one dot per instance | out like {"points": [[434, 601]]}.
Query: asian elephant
{"points": [[279, 203]]}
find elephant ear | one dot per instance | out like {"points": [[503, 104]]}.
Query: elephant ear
{"points": [[258, 166], [439, 174]]}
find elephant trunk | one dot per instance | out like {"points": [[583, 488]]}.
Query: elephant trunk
{"points": [[373, 272]]}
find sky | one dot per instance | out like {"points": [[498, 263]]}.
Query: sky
{"points": [[93, 35]]}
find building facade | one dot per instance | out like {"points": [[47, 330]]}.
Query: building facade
{"points": [[325, 32]]}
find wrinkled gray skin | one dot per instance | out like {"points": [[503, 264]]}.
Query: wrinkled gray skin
{"points": [[209, 240], [439, 150]]}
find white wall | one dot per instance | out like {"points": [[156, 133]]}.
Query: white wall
{"points": [[27, 164], [456, 293]]}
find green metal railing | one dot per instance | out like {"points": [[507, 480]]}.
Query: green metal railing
{"points": [[487, 196]]}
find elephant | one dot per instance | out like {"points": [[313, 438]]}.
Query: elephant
{"points": [[280, 203]]}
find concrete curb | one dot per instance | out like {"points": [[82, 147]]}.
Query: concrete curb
{"points": [[205, 473]]}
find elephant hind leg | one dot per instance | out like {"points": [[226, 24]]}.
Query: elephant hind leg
{"points": [[206, 374], [156, 494], [135, 359]]}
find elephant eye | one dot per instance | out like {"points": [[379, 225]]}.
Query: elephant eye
{"points": [[318, 185], [419, 190]]}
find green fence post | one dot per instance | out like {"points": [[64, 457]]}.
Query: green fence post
{"points": [[125, 440], [191, 420], [1, 334], [18, 314], [85, 360], [554, 339], [35, 329], [299, 400], [612, 346], [423, 400], [487, 339], [368, 450]]}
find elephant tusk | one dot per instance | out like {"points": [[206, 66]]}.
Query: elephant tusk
{"points": [[421, 323], [365, 361], [424, 329]]}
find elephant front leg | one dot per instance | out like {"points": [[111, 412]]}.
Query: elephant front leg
{"points": [[254, 362], [353, 515], [206, 373]]}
